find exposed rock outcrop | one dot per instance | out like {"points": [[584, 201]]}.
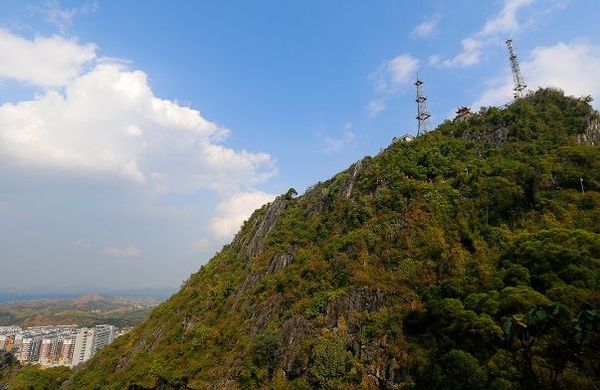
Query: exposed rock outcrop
{"points": [[251, 245], [279, 262], [354, 170], [294, 331], [591, 136], [340, 312], [357, 301], [317, 199], [494, 135]]}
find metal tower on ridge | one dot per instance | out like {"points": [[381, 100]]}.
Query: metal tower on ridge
{"points": [[422, 112], [516, 71]]}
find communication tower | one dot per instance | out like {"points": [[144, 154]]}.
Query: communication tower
{"points": [[519, 83], [422, 112]]}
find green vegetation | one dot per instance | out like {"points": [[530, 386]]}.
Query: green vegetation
{"points": [[16, 377], [33, 378], [467, 258]]}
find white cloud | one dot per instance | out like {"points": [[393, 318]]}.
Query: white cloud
{"points": [[200, 245], [109, 121], [375, 107], [337, 144], [402, 69], [43, 61], [500, 25], [498, 91], [427, 29], [572, 67], [60, 17], [389, 78], [95, 133], [395, 73], [97, 119], [506, 21], [115, 251], [232, 212], [470, 54], [81, 244]]}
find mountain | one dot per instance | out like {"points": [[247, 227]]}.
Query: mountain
{"points": [[14, 296], [84, 310], [467, 258]]}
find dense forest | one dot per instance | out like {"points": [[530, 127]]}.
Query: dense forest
{"points": [[467, 258]]}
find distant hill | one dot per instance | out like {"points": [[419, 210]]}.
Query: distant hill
{"points": [[8, 296], [85, 310]]}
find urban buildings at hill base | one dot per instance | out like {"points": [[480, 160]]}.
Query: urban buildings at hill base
{"points": [[51, 346]]}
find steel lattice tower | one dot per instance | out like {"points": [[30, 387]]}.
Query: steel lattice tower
{"points": [[422, 112], [516, 71]]}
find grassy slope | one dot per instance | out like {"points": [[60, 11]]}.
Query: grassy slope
{"points": [[452, 253]]}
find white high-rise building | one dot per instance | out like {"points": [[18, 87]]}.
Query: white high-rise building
{"points": [[46, 352], [50, 351], [66, 354], [84, 342], [30, 350], [103, 335], [90, 340], [25, 350]]}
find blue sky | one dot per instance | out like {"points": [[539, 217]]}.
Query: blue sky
{"points": [[134, 137]]}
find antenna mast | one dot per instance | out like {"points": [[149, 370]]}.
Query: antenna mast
{"points": [[422, 112], [516, 71]]}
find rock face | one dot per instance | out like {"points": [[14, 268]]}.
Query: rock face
{"points": [[400, 272], [250, 245], [494, 135], [349, 185], [280, 261], [591, 136]]}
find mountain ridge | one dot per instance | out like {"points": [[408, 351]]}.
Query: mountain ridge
{"points": [[83, 310]]}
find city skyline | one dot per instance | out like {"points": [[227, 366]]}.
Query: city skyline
{"points": [[60, 345]]}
